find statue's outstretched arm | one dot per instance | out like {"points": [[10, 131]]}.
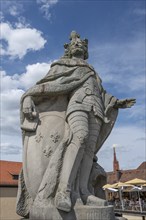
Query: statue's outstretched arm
{"points": [[125, 103]]}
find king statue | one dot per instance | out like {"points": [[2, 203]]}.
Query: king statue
{"points": [[65, 119]]}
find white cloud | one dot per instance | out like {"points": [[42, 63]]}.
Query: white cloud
{"points": [[45, 7], [10, 110], [10, 98], [21, 23], [8, 82], [13, 8], [1, 16], [20, 40], [33, 73], [139, 11], [13, 149], [11, 91]]}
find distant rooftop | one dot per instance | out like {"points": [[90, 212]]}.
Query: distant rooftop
{"points": [[142, 166], [126, 175], [9, 172]]}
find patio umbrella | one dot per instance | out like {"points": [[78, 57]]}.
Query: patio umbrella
{"points": [[107, 186], [137, 189], [119, 185], [112, 189], [136, 181]]}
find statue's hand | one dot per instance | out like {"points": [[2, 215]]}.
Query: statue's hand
{"points": [[29, 108], [125, 103]]}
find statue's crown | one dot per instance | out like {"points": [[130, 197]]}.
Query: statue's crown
{"points": [[74, 35]]}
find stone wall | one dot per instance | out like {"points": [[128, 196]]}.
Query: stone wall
{"points": [[8, 203]]}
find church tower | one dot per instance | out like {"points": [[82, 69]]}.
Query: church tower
{"points": [[115, 161]]}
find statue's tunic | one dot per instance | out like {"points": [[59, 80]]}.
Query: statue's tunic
{"points": [[87, 98]]}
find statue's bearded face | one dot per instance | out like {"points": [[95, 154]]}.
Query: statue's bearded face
{"points": [[77, 48]]}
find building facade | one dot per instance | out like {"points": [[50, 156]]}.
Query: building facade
{"points": [[9, 172]]}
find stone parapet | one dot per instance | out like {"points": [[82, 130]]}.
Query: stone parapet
{"points": [[78, 213]]}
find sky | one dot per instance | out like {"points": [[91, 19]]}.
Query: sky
{"points": [[33, 33]]}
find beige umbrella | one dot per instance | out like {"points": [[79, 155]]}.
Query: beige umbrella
{"points": [[119, 185], [107, 186], [136, 181]]}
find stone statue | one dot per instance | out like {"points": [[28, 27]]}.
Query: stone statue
{"points": [[65, 119]]}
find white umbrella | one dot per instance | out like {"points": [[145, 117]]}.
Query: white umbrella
{"points": [[112, 189]]}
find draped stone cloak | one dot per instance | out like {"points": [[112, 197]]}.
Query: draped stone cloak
{"points": [[78, 87]]}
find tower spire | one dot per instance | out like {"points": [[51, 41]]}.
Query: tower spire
{"points": [[115, 161]]}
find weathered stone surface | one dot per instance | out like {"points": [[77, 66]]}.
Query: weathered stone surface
{"points": [[78, 213], [65, 119], [120, 218]]}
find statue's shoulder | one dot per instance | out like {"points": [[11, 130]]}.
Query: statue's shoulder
{"points": [[72, 62], [61, 61]]}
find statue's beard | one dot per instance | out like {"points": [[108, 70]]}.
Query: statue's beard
{"points": [[77, 52]]}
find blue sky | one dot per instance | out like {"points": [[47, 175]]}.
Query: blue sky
{"points": [[33, 33]]}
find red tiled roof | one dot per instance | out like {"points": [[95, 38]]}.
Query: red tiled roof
{"points": [[7, 170], [127, 175], [142, 166]]}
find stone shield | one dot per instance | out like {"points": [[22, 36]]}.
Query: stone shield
{"points": [[39, 146]]}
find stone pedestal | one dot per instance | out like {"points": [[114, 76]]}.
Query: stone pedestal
{"points": [[78, 213]]}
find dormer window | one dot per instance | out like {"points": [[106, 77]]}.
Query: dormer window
{"points": [[15, 176]]}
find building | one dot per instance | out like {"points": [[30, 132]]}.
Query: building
{"points": [[125, 175], [9, 172]]}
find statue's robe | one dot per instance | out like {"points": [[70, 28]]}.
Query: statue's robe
{"points": [[70, 85]]}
